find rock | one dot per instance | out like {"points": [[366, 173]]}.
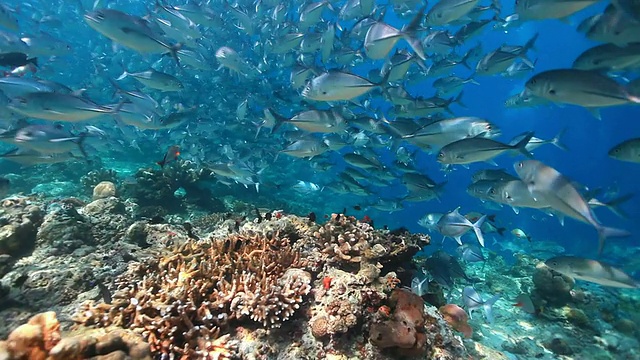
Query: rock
{"points": [[559, 345], [63, 231], [110, 205], [103, 190], [18, 229], [551, 286]]}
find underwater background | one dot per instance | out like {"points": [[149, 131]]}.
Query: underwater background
{"points": [[236, 202]]}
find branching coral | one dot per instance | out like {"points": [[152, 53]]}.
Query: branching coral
{"points": [[182, 301]]}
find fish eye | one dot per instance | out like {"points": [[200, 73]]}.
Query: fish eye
{"points": [[492, 191], [520, 164], [552, 91]]}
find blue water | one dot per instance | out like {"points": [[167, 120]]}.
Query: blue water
{"points": [[94, 59]]}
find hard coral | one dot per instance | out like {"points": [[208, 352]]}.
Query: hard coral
{"points": [[182, 301], [345, 240]]}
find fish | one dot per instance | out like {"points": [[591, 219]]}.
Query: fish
{"points": [[520, 234], [444, 269], [588, 89], [7, 18], [470, 150], [130, 31], [609, 57], [430, 221], [556, 190], [58, 107], [16, 59], [172, 154], [155, 79], [454, 225], [472, 300], [381, 38], [523, 301], [593, 271], [47, 139], [337, 86], [447, 11], [628, 150], [545, 9], [420, 285], [28, 157], [470, 253]]}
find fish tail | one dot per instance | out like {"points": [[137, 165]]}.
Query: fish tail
{"points": [[608, 232], [161, 163], [488, 308], [521, 146], [123, 75], [476, 228], [614, 205], [557, 142], [530, 45]]}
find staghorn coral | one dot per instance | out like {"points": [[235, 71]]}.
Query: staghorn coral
{"points": [[181, 302]]}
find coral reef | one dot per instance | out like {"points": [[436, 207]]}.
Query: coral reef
{"points": [[40, 338], [95, 177], [182, 300], [412, 329]]}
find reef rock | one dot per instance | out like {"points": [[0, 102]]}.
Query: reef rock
{"points": [[551, 287], [64, 230], [103, 190], [19, 222]]}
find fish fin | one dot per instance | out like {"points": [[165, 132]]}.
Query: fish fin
{"points": [[488, 307], [608, 232], [595, 112], [458, 240], [521, 146], [491, 162], [556, 140], [515, 210], [476, 228]]}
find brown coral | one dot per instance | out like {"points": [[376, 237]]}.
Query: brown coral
{"points": [[405, 331], [182, 301]]}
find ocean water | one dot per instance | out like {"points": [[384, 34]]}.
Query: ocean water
{"points": [[212, 132]]}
